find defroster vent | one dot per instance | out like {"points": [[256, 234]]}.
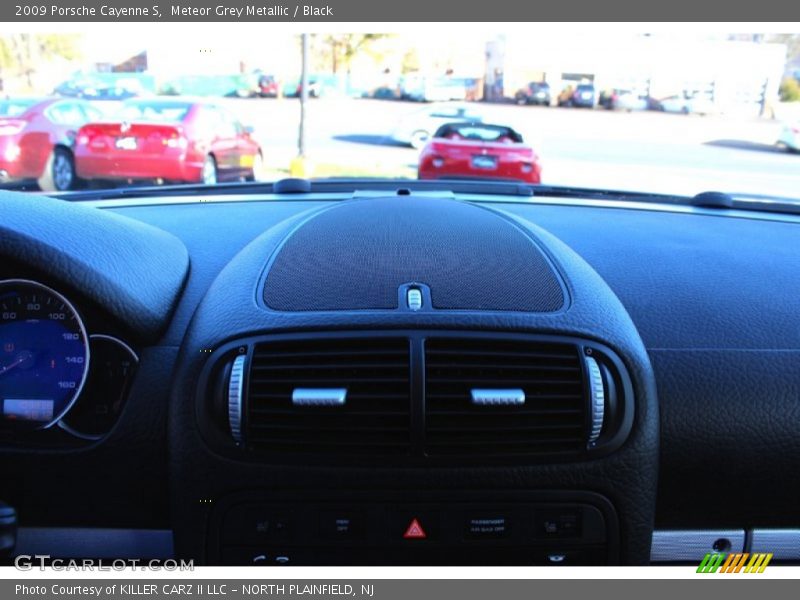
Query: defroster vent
{"points": [[334, 397], [489, 397]]}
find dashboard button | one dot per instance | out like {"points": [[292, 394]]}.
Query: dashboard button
{"points": [[414, 526], [558, 523]]}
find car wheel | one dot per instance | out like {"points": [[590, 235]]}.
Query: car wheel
{"points": [[209, 174], [59, 172], [419, 138], [257, 173]]}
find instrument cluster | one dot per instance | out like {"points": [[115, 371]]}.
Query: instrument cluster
{"points": [[55, 373]]}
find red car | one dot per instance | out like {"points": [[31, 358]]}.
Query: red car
{"points": [[267, 86], [478, 150], [36, 139], [168, 140]]}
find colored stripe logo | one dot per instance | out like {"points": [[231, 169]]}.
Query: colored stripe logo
{"points": [[734, 562]]}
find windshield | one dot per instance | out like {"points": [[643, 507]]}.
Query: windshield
{"points": [[663, 112], [480, 133], [167, 112]]}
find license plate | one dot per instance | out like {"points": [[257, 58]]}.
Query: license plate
{"points": [[246, 160], [126, 143], [484, 162]]}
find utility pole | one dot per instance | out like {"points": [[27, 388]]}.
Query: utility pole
{"points": [[298, 166], [301, 141]]}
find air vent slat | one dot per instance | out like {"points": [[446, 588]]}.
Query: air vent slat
{"points": [[375, 416], [518, 413], [330, 380], [503, 381], [395, 365], [279, 412], [550, 422]]}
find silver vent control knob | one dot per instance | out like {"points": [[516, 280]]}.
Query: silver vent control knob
{"points": [[597, 399], [235, 394]]}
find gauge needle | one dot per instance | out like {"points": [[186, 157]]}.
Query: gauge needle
{"points": [[23, 357]]}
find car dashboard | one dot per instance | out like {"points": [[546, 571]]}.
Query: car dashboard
{"points": [[400, 376]]}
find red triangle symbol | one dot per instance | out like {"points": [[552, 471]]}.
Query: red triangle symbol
{"points": [[415, 531]]}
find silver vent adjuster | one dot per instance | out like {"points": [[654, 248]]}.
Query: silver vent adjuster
{"points": [[512, 397], [319, 396], [235, 392], [597, 398]]}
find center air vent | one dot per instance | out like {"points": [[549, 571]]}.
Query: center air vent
{"points": [[417, 397], [492, 397], [328, 397]]}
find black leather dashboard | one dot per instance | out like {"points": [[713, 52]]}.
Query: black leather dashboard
{"points": [[712, 303]]}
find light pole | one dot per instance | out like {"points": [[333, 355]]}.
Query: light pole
{"points": [[299, 166], [301, 140]]}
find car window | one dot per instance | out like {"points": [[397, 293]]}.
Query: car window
{"points": [[15, 108], [167, 112], [91, 113], [480, 133], [66, 113]]}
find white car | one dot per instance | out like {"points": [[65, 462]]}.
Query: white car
{"points": [[684, 104], [790, 136], [416, 128]]}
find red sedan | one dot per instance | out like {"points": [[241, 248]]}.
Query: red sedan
{"points": [[36, 139], [168, 140], [478, 150]]}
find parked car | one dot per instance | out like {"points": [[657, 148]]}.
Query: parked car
{"points": [[687, 103], [88, 89], [790, 136], [267, 86], [478, 150], [170, 140], [622, 99], [536, 92], [434, 89], [384, 93], [582, 96], [416, 128], [36, 139]]}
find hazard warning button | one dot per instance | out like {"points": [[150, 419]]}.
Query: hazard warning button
{"points": [[414, 531], [413, 524]]}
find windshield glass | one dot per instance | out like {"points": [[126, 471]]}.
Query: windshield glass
{"points": [[480, 133], [662, 112], [167, 112]]}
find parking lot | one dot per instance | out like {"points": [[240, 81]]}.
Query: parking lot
{"points": [[651, 151]]}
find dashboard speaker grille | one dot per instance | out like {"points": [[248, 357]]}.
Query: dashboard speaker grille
{"points": [[329, 396], [474, 398], [356, 255]]}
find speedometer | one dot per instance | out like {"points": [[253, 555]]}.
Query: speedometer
{"points": [[44, 355]]}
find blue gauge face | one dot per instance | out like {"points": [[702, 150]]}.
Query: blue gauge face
{"points": [[44, 355]]}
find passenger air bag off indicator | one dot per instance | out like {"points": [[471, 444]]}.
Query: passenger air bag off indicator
{"points": [[415, 531]]}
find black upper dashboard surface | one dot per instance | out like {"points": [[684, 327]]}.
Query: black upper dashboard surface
{"points": [[713, 298]]}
